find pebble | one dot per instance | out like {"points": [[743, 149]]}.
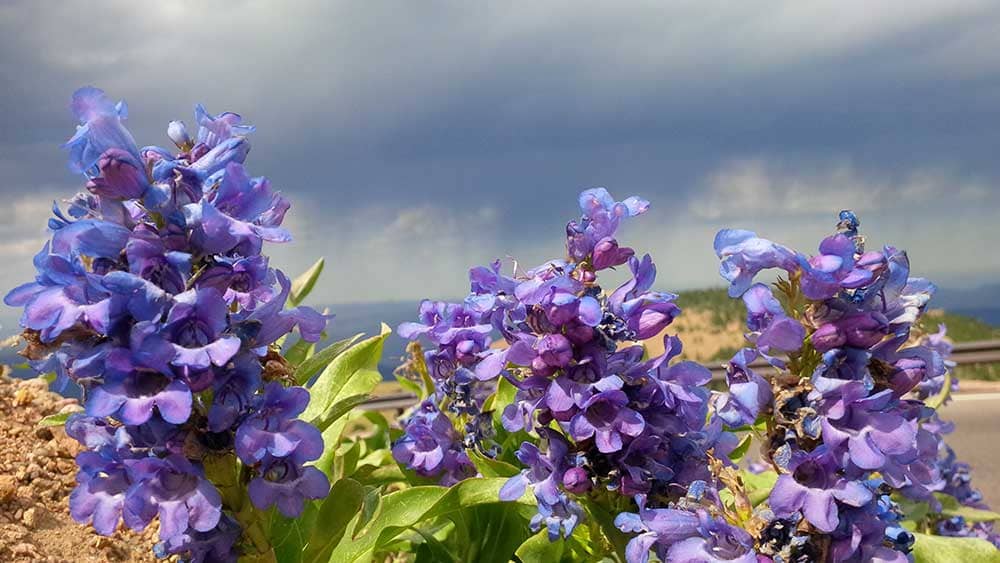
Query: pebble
{"points": [[8, 488], [31, 516]]}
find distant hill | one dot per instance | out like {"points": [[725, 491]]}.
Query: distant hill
{"points": [[982, 302]]}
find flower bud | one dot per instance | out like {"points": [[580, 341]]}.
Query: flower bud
{"points": [[864, 330], [907, 374], [607, 253], [576, 480], [120, 176], [179, 135], [827, 337], [555, 350]]}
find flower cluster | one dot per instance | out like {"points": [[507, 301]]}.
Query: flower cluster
{"points": [[848, 424], [956, 478], [608, 425], [154, 297]]}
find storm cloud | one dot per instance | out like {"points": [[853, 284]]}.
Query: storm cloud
{"points": [[416, 139]]}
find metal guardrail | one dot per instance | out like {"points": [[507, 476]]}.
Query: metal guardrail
{"points": [[964, 353]]}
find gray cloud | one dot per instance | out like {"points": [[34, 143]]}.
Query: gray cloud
{"points": [[416, 139]]}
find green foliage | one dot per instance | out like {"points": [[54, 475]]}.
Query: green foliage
{"points": [[960, 327], [489, 533], [58, 419], [337, 410], [299, 352], [346, 498], [938, 549], [951, 507], [407, 508], [312, 365], [758, 485], [538, 549], [741, 449], [303, 285], [353, 372], [493, 467]]}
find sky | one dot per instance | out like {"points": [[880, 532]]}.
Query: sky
{"points": [[417, 139]]}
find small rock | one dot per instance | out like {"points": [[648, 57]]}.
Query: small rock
{"points": [[24, 550], [23, 396], [31, 516], [44, 433], [8, 488]]}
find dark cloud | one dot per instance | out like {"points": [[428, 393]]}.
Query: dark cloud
{"points": [[487, 119]]}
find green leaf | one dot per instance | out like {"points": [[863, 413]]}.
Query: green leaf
{"points": [[492, 467], [432, 550], [313, 364], [356, 367], [304, 284], [538, 549], [346, 498], [491, 533], [913, 511], [288, 536], [347, 458], [951, 507], [758, 485], [352, 373], [58, 419], [938, 549], [741, 450], [337, 410], [370, 508], [404, 509], [300, 352], [614, 538], [504, 395]]}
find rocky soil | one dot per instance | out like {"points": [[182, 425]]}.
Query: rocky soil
{"points": [[37, 474]]}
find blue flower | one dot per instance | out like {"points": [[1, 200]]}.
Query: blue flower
{"points": [[174, 489], [151, 291], [431, 447], [272, 430], [100, 129], [744, 254], [284, 483]]}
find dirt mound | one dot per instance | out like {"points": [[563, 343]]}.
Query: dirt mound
{"points": [[37, 473]]}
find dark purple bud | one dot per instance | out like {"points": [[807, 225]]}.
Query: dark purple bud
{"points": [[909, 372], [121, 177], [555, 350], [576, 480], [607, 253], [864, 330], [827, 337]]}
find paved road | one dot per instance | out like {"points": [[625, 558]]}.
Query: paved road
{"points": [[976, 439]]}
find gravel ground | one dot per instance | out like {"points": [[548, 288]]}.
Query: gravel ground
{"points": [[37, 473]]}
